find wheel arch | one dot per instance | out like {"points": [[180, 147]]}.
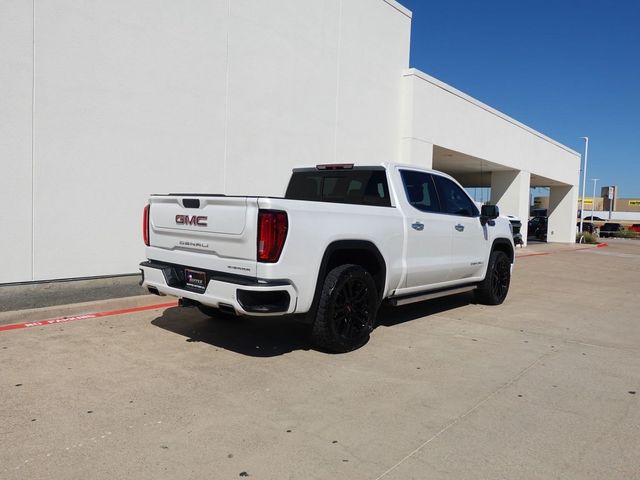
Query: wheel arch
{"points": [[358, 252], [503, 245]]}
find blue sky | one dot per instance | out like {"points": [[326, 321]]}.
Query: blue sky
{"points": [[565, 68]]}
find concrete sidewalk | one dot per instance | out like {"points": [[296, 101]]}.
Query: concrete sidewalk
{"points": [[24, 296], [81, 308]]}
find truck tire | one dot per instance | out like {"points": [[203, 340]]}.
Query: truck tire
{"points": [[346, 311], [495, 286]]}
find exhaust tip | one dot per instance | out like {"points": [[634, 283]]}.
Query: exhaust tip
{"points": [[226, 308], [187, 302]]}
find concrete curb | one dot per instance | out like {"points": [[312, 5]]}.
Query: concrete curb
{"points": [[27, 296], [44, 313]]}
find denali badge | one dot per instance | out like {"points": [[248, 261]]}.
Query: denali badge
{"points": [[244, 269], [194, 244], [191, 220]]}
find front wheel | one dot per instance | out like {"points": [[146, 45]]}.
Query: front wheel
{"points": [[347, 309], [495, 286]]}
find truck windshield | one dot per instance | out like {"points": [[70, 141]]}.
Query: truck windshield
{"points": [[360, 186]]}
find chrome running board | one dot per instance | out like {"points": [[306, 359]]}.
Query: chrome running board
{"points": [[419, 297]]}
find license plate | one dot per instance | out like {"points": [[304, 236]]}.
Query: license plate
{"points": [[195, 279]]}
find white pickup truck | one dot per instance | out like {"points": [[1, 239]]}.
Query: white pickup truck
{"points": [[342, 240]]}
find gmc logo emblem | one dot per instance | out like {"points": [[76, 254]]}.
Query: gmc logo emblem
{"points": [[191, 220]]}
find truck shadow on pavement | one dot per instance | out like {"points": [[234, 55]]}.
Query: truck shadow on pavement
{"points": [[273, 336], [390, 316], [256, 337]]}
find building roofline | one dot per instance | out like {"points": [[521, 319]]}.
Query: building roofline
{"points": [[401, 8], [414, 72]]}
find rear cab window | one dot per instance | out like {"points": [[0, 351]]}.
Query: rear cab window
{"points": [[357, 186]]}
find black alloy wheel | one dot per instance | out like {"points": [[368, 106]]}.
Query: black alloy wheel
{"points": [[494, 288], [351, 309], [347, 309], [500, 278]]}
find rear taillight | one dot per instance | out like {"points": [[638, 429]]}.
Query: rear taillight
{"points": [[145, 225], [272, 232]]}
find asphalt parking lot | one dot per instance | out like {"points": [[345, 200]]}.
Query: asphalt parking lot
{"points": [[545, 386]]}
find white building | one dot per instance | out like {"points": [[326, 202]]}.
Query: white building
{"points": [[105, 102]]}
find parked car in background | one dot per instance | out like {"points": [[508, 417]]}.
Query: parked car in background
{"points": [[538, 228], [610, 229], [587, 227], [516, 226], [635, 227], [594, 219]]}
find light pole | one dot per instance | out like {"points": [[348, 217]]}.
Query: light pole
{"points": [[593, 197], [584, 179]]}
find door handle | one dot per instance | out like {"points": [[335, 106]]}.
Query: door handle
{"points": [[417, 226], [460, 227]]}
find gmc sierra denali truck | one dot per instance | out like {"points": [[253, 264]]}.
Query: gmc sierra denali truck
{"points": [[343, 239]]}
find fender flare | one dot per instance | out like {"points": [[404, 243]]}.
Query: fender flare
{"points": [[338, 245], [506, 243]]}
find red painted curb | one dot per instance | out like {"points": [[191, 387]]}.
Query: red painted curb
{"points": [[86, 316], [533, 255], [598, 245]]}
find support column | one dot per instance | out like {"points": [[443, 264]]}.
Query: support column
{"points": [[510, 191], [416, 152], [562, 212], [413, 150]]}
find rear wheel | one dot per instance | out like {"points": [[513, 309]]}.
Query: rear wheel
{"points": [[495, 286], [347, 309]]}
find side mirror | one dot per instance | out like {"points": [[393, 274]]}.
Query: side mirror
{"points": [[489, 213]]}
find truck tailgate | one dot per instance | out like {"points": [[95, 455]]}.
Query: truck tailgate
{"points": [[212, 232]]}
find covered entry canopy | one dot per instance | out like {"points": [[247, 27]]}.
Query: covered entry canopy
{"points": [[470, 171], [447, 130]]}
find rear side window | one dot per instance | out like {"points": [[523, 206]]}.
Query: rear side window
{"points": [[453, 199], [420, 190], [357, 186]]}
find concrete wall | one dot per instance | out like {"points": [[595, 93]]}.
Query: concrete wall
{"points": [[625, 204], [16, 77], [510, 191], [438, 114], [106, 102], [561, 221]]}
